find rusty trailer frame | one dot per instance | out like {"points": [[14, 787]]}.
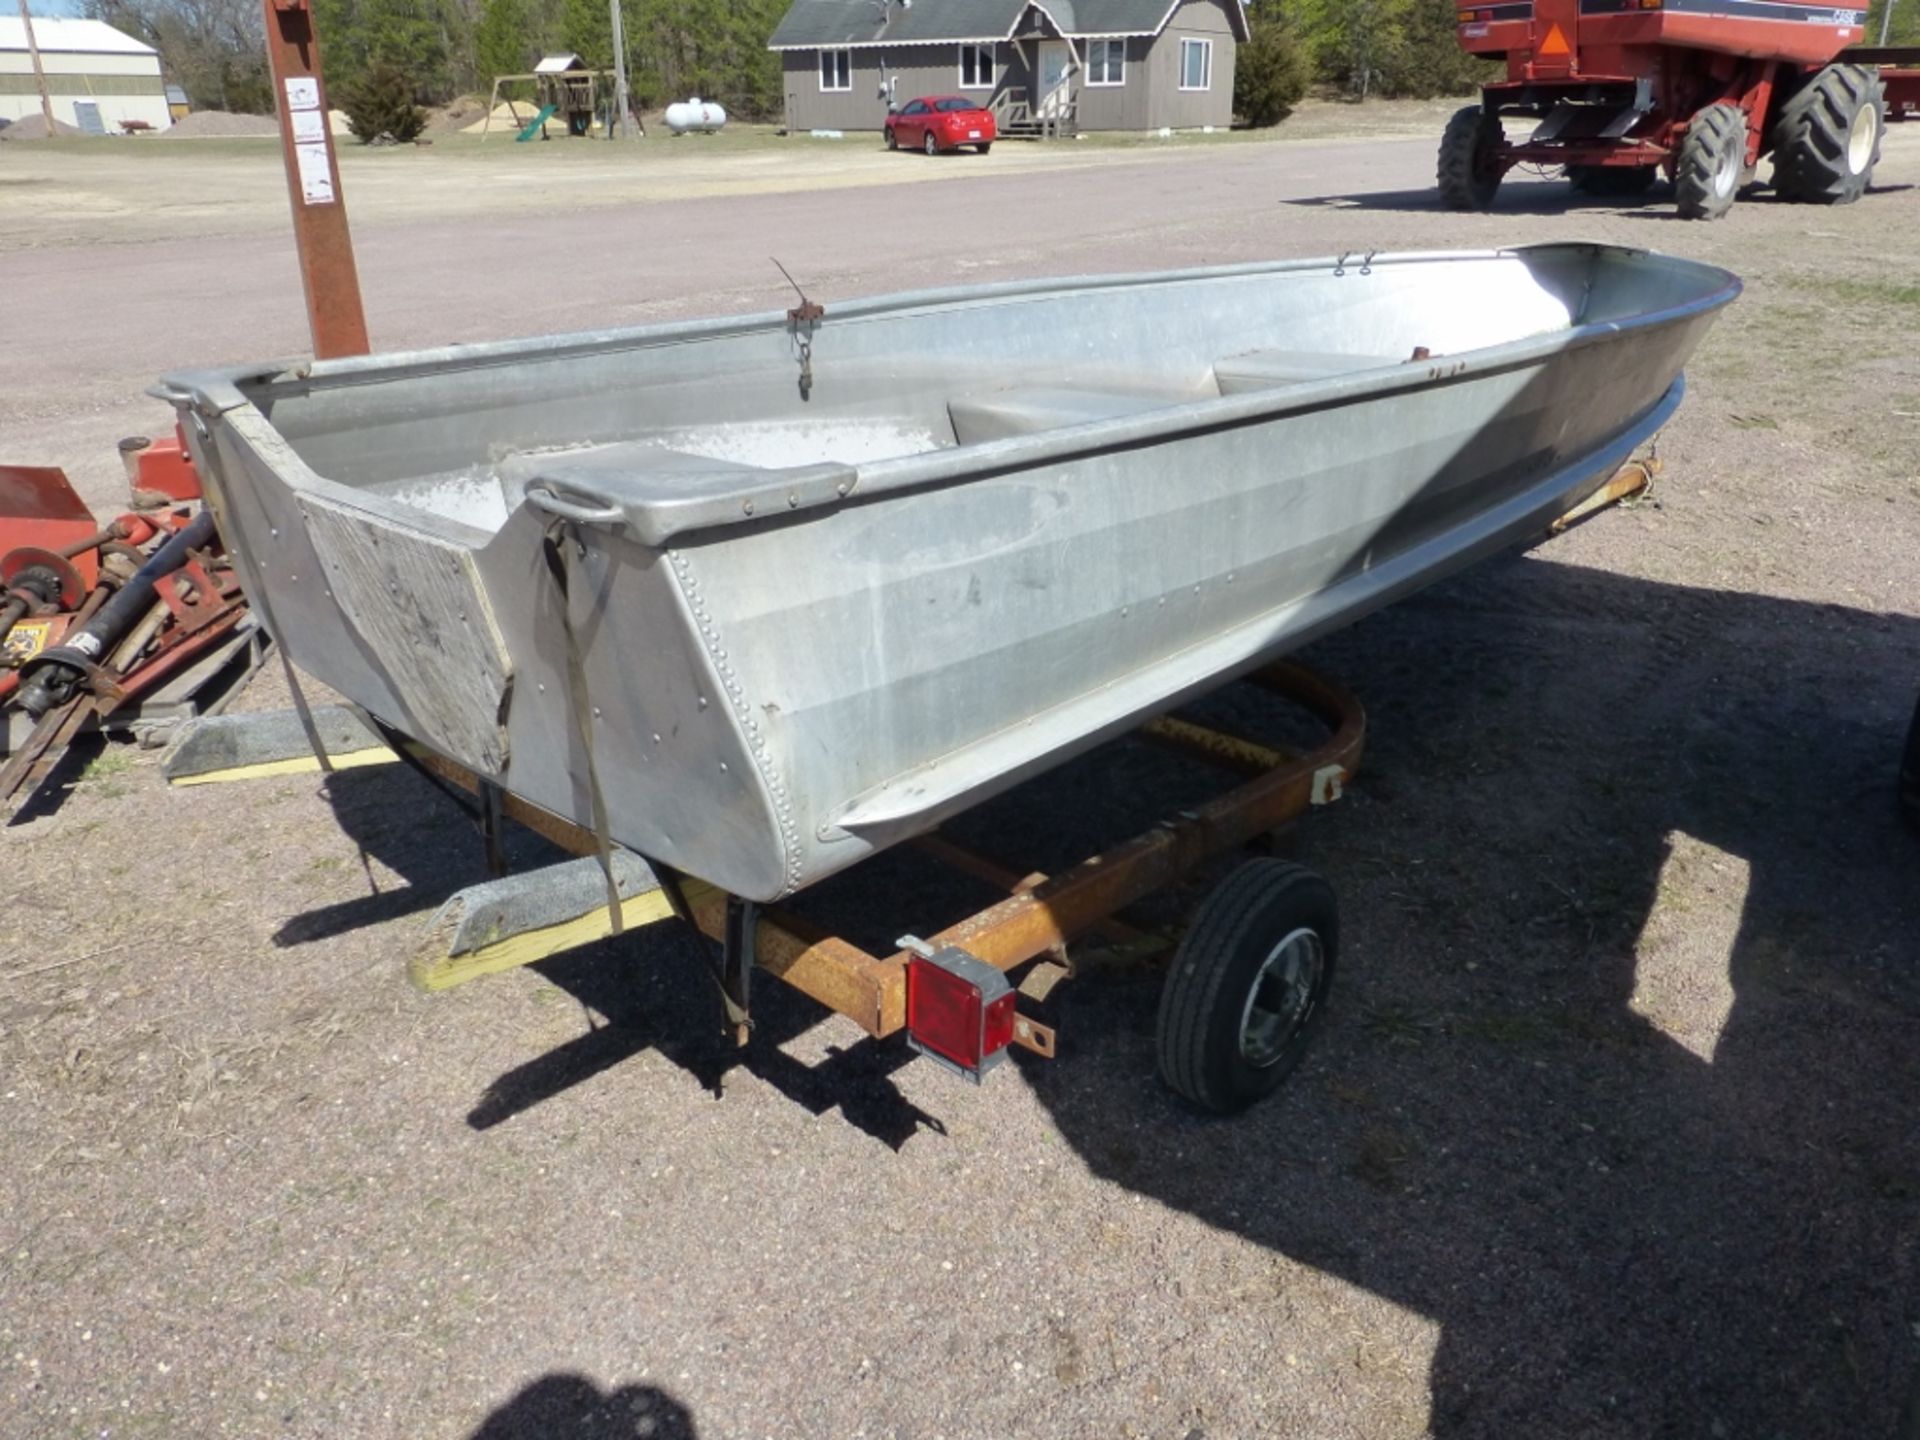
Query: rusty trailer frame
{"points": [[1042, 913]]}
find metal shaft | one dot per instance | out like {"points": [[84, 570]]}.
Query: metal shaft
{"points": [[327, 273], [52, 676]]}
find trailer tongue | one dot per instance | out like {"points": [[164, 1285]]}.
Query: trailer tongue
{"points": [[1701, 90]]}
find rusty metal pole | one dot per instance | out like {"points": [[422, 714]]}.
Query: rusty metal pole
{"points": [[39, 70], [332, 285]]}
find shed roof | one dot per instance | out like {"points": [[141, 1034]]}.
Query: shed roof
{"points": [[559, 64], [813, 24], [63, 36]]}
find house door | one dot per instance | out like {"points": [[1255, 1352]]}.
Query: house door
{"points": [[1052, 93]]}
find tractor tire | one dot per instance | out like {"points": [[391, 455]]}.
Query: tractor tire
{"points": [[1247, 987], [1827, 139], [1470, 167], [1622, 181], [1712, 158]]}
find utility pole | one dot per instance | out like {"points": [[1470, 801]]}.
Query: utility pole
{"points": [[39, 72], [620, 96]]}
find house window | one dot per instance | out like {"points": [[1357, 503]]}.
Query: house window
{"points": [[836, 70], [976, 67], [1196, 64], [1106, 62]]}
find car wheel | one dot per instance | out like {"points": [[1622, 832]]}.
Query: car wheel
{"points": [[931, 145], [892, 142], [985, 146]]}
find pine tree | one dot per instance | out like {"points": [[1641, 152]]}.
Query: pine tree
{"points": [[503, 41]]}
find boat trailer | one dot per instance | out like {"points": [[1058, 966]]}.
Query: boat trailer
{"points": [[950, 992], [1244, 991]]}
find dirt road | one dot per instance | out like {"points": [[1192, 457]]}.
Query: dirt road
{"points": [[1611, 1131]]}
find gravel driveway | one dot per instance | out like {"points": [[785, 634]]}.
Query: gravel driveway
{"points": [[1611, 1131]]}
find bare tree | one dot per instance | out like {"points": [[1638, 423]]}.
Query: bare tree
{"points": [[213, 49]]}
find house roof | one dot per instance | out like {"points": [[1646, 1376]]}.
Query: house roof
{"points": [[63, 36], [813, 24]]}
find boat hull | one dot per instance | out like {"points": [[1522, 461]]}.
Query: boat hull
{"points": [[786, 668]]}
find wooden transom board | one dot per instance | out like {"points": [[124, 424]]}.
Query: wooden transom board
{"points": [[417, 605]]}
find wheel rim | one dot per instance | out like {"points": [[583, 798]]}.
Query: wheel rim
{"points": [[1727, 177], [1281, 997], [1860, 138], [932, 144]]}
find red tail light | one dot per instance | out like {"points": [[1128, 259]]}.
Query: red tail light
{"points": [[959, 1011]]}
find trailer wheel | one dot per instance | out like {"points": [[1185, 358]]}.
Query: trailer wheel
{"points": [[1712, 158], [1470, 167], [1910, 773], [1827, 139], [1248, 984], [1613, 180]]}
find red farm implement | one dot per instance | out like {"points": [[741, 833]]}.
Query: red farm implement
{"points": [[1624, 91]]}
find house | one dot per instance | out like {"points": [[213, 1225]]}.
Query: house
{"points": [[1058, 66], [99, 79]]}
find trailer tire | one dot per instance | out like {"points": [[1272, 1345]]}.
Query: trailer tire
{"points": [[1470, 167], [1269, 932], [1712, 158], [1827, 139], [1625, 181]]}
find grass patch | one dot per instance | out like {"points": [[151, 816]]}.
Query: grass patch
{"points": [[106, 770], [1867, 293]]}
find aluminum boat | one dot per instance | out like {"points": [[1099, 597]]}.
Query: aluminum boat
{"points": [[804, 584]]}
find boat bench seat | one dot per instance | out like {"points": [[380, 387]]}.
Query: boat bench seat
{"points": [[1029, 411], [1269, 369]]}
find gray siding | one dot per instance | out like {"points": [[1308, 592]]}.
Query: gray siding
{"points": [[917, 70], [1150, 99], [1116, 107], [1191, 109]]}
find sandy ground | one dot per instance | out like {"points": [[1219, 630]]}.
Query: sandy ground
{"points": [[1611, 1131]]}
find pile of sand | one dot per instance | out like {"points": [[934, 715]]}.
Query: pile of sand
{"points": [[504, 121], [207, 124], [34, 127]]}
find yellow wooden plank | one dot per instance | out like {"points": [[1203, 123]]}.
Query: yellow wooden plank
{"points": [[433, 969], [298, 765]]}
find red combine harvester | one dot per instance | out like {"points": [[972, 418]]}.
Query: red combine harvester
{"points": [[1700, 90]]}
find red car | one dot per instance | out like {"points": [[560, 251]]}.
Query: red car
{"points": [[941, 122]]}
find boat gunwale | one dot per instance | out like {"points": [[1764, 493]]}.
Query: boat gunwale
{"points": [[655, 522]]}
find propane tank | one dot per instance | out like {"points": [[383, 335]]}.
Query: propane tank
{"points": [[695, 114]]}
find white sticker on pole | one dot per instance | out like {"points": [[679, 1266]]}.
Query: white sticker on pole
{"points": [[316, 175], [303, 93], [309, 125]]}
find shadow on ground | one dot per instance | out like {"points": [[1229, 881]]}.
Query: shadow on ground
{"points": [[1525, 196], [1617, 1084], [572, 1407]]}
